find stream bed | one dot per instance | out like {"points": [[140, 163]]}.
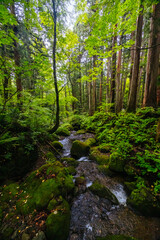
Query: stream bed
{"points": [[92, 216]]}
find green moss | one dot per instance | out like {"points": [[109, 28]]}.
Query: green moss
{"points": [[103, 192], [79, 149], [50, 156], [70, 161], [144, 201], [99, 157], [104, 148], [46, 191], [117, 162], [62, 131], [80, 180], [105, 169], [82, 131], [57, 223], [9, 192], [71, 170], [52, 204], [57, 145], [116, 237], [90, 142]]}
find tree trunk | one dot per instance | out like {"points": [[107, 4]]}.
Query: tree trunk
{"points": [[17, 59], [94, 86], [118, 81], [150, 99], [101, 82], [54, 69], [113, 75], [132, 58], [135, 73]]}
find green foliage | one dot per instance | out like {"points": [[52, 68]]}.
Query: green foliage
{"points": [[132, 143]]}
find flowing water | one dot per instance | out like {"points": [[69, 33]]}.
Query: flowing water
{"points": [[92, 216]]}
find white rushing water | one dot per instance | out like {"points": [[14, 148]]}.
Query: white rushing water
{"points": [[66, 146], [119, 192], [83, 159]]}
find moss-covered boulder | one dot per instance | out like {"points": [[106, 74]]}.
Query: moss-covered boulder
{"points": [[103, 192], [144, 201], [90, 142], [116, 162], [46, 183], [116, 237], [104, 148], [82, 131], [57, 223], [50, 156], [71, 170], [57, 145], [69, 161], [63, 131], [46, 191], [79, 149], [105, 170], [80, 180], [99, 157]]}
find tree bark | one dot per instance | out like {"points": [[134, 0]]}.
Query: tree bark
{"points": [[150, 99], [113, 75], [17, 59], [135, 73], [118, 81], [54, 69]]}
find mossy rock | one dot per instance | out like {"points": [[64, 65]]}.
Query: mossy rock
{"points": [[50, 156], [116, 162], [103, 192], [71, 170], [66, 183], [62, 131], [105, 169], [79, 149], [46, 191], [104, 148], [52, 204], [144, 201], [70, 161], [116, 237], [58, 222], [99, 157], [9, 192], [90, 142], [80, 180], [57, 145], [82, 131]]}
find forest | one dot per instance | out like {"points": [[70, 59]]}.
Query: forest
{"points": [[79, 120]]}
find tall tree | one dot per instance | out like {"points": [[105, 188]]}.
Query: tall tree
{"points": [[150, 99], [134, 81], [54, 67]]}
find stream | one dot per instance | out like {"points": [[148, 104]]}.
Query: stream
{"points": [[92, 216]]}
